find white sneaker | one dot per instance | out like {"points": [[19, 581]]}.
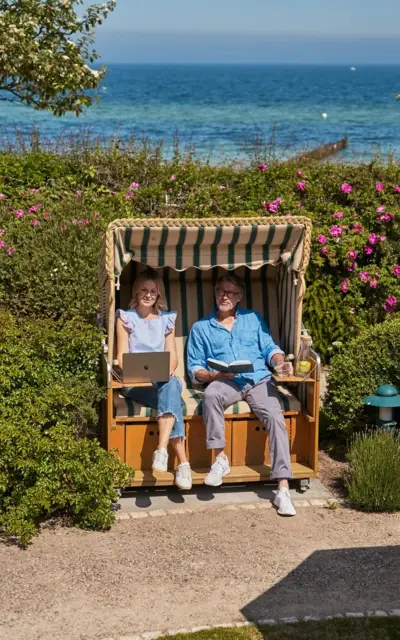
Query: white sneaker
{"points": [[160, 460], [183, 476], [218, 470], [284, 503]]}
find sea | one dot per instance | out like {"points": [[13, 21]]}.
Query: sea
{"points": [[228, 112]]}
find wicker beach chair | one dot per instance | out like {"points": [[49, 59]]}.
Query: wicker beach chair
{"points": [[271, 255]]}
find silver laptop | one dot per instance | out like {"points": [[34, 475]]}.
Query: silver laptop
{"points": [[145, 367]]}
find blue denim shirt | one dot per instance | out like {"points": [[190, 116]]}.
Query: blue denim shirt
{"points": [[249, 340]]}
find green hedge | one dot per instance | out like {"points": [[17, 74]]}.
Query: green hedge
{"points": [[48, 463], [54, 209], [53, 267], [369, 360]]}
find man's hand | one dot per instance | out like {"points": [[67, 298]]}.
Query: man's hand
{"points": [[205, 376], [219, 375], [281, 366]]}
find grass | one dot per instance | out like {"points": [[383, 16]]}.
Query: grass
{"points": [[338, 629]]}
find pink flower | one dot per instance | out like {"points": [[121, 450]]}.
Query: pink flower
{"points": [[35, 223], [172, 178], [85, 222], [381, 209], [390, 304], [96, 215], [271, 206], [344, 286], [351, 267], [396, 270], [373, 283], [2, 196], [278, 200], [34, 190], [221, 187], [346, 188], [382, 238], [2, 244], [335, 231], [2, 232], [299, 172], [46, 215], [358, 228], [387, 217], [129, 196], [325, 251], [114, 193], [19, 213], [75, 222], [301, 185], [380, 187], [364, 276], [373, 238], [368, 250], [134, 186], [322, 239], [35, 208], [338, 214], [397, 189], [352, 254], [10, 251], [263, 167]]}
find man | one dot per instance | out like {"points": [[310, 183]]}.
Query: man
{"points": [[230, 333]]}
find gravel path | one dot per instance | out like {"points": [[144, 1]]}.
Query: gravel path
{"points": [[217, 565]]}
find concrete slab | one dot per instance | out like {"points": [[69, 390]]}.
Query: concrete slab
{"points": [[146, 499]]}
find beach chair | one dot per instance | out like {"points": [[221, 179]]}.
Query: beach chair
{"points": [[271, 255]]}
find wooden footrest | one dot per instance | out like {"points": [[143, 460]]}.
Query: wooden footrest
{"points": [[237, 475]]}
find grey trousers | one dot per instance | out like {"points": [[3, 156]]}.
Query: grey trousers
{"points": [[263, 399]]}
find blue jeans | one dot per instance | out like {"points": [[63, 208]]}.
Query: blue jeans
{"points": [[163, 396]]}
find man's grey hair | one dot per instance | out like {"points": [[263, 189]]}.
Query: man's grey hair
{"points": [[233, 279]]}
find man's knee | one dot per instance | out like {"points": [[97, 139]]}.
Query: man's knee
{"points": [[213, 396]]}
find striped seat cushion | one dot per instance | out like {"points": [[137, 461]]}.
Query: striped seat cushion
{"points": [[192, 405]]}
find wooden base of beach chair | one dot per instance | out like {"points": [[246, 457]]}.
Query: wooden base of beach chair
{"points": [[135, 439]]}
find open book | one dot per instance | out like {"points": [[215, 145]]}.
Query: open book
{"points": [[238, 366]]}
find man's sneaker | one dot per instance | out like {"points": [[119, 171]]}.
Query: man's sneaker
{"points": [[284, 503], [183, 476], [219, 470], [160, 460]]}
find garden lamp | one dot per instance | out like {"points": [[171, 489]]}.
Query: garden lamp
{"points": [[386, 398]]}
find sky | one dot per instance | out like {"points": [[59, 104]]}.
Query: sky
{"points": [[320, 31]]}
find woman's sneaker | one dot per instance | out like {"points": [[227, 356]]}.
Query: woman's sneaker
{"points": [[284, 503], [160, 460], [183, 476], [219, 470]]}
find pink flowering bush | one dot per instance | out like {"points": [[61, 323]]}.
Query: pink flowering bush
{"points": [[53, 266]]}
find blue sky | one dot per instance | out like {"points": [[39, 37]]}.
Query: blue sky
{"points": [[252, 31]]}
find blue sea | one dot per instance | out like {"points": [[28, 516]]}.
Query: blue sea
{"points": [[224, 110]]}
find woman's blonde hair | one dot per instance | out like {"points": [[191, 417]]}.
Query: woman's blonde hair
{"points": [[150, 274]]}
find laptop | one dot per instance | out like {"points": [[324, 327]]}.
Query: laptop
{"points": [[147, 367]]}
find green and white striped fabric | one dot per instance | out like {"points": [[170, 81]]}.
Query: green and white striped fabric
{"points": [[204, 247], [191, 294]]}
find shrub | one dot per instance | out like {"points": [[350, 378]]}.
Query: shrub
{"points": [[366, 362], [48, 470], [48, 396], [374, 475], [49, 254]]}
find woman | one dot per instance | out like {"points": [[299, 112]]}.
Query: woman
{"points": [[148, 326]]}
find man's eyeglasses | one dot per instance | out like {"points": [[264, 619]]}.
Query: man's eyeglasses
{"points": [[229, 294]]}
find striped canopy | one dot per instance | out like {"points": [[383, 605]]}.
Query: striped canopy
{"points": [[206, 243]]}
